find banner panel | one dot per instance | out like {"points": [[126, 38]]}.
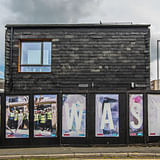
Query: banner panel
{"points": [[136, 114], [107, 115], [74, 115], [45, 115], [17, 117], [153, 115], [0, 111]]}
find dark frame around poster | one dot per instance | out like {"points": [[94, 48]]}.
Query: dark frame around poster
{"points": [[30, 140], [48, 140], [121, 138], [90, 138], [153, 138], [81, 140], [15, 141], [137, 139]]}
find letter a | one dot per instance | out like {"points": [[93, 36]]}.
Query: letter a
{"points": [[107, 110]]}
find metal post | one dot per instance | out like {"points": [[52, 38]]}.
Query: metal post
{"points": [[158, 64]]}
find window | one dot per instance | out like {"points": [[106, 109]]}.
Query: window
{"points": [[35, 56]]}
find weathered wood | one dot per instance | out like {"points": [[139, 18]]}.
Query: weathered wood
{"points": [[110, 57]]}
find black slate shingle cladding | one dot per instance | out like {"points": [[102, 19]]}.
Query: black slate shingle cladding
{"points": [[106, 58]]}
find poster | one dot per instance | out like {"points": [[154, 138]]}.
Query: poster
{"points": [[136, 115], [45, 115], [74, 115], [107, 115], [0, 111], [153, 115], [17, 117]]}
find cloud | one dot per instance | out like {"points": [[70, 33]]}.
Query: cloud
{"points": [[50, 11], [81, 11], [139, 12], [42, 11]]}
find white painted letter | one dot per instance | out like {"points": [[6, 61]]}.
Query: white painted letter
{"points": [[136, 110], [107, 110]]}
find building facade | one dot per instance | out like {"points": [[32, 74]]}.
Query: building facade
{"points": [[92, 57], [77, 84], [154, 85]]}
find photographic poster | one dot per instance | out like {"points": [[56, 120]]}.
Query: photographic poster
{"points": [[136, 115], [107, 115], [153, 115], [17, 117], [45, 115], [74, 115], [0, 111]]}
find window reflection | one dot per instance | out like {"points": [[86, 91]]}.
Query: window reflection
{"points": [[35, 57]]}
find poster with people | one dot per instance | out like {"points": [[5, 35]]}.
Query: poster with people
{"points": [[45, 115], [74, 115], [153, 114], [136, 114], [107, 115], [17, 116]]}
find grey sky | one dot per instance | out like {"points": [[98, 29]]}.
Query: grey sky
{"points": [[82, 11]]}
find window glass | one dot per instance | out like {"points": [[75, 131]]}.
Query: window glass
{"points": [[31, 53], [35, 57], [17, 116], [74, 115], [107, 115], [136, 114], [47, 53], [35, 69], [45, 115]]}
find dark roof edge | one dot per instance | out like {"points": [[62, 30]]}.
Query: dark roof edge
{"points": [[105, 25]]}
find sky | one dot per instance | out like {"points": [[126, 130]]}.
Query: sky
{"points": [[81, 11]]}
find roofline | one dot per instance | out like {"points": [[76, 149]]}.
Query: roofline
{"points": [[105, 25]]}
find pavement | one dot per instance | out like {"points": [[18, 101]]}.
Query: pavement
{"points": [[82, 152]]}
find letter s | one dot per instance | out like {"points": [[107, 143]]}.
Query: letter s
{"points": [[136, 110]]}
